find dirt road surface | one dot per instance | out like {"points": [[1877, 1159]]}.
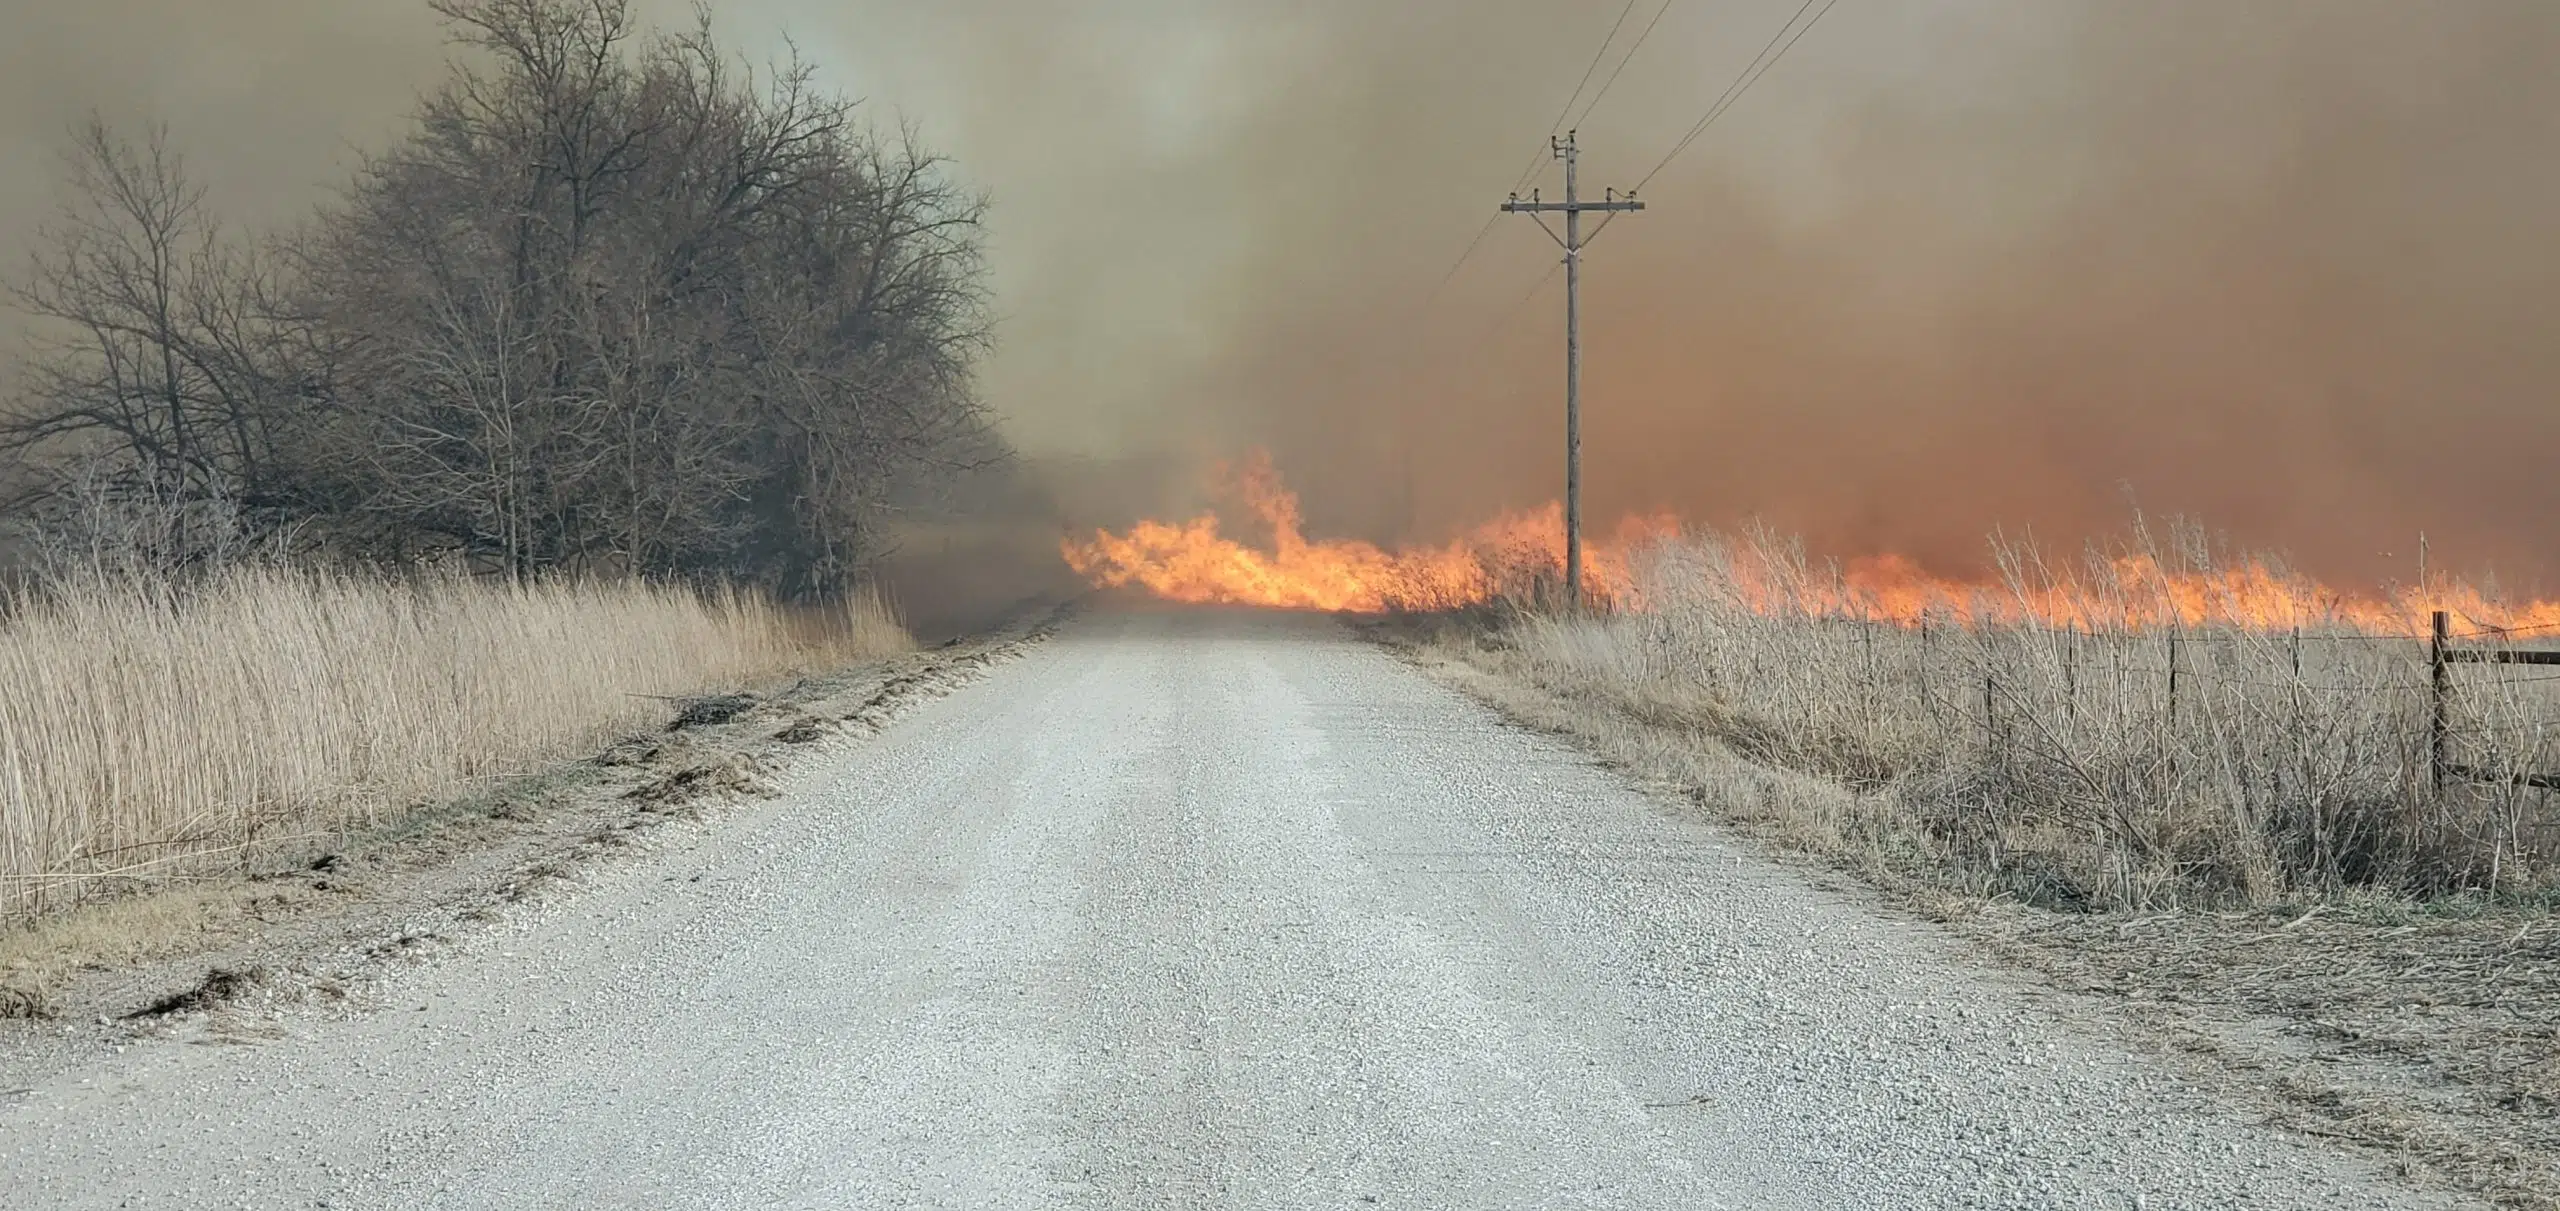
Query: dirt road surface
{"points": [[1179, 910]]}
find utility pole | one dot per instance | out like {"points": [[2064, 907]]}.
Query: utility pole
{"points": [[1573, 208]]}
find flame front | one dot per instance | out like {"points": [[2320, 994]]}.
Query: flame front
{"points": [[2135, 591], [1195, 562]]}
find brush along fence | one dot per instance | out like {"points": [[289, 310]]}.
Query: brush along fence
{"points": [[2118, 742], [2441, 657], [2181, 664], [2327, 756]]}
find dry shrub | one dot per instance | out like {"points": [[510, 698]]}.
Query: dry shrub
{"points": [[863, 626], [2143, 754], [151, 731]]}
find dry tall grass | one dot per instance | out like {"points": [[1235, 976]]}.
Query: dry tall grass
{"points": [[149, 732], [2137, 762]]}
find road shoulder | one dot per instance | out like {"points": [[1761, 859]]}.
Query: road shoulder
{"points": [[197, 958], [2427, 1039]]}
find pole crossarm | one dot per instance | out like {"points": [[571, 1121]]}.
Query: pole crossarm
{"points": [[1516, 206]]}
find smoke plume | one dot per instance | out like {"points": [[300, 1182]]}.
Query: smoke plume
{"points": [[2285, 266]]}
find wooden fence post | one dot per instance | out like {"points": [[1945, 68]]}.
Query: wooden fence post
{"points": [[2173, 677], [1867, 649], [1990, 722], [2436, 704], [2071, 671]]}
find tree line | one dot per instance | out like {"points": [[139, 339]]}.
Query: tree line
{"points": [[612, 302]]}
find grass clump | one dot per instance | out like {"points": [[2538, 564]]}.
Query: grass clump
{"points": [[2151, 729], [150, 732]]}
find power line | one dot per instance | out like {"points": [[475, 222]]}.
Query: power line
{"points": [[1513, 311], [1508, 314], [1531, 168], [1751, 73], [1460, 263], [1734, 86], [1621, 70], [1742, 82]]}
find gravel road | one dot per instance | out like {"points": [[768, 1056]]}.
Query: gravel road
{"points": [[1179, 910]]}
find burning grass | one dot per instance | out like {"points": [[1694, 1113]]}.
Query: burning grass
{"points": [[2118, 736], [1197, 562], [2154, 725], [151, 733], [2253, 864]]}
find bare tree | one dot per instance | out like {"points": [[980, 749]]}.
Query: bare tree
{"points": [[156, 371], [622, 302], [616, 302]]}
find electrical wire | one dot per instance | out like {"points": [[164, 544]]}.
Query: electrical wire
{"points": [[1511, 312], [1530, 170], [1621, 69], [1750, 75], [1460, 263]]}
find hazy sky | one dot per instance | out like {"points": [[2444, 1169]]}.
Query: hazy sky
{"points": [[2285, 263]]}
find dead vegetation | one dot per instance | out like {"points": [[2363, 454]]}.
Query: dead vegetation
{"points": [[388, 890], [2250, 858], [219, 987], [711, 711], [23, 1004], [803, 730], [156, 733], [739, 775], [2180, 741]]}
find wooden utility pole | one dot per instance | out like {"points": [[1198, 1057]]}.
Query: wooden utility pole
{"points": [[1573, 208]]}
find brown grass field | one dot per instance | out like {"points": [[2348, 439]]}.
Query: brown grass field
{"points": [[2206, 762], [149, 734]]}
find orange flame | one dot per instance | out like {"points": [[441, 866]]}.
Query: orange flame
{"points": [[1195, 562], [2134, 591]]}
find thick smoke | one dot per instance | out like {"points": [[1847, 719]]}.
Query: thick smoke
{"points": [[270, 99], [2285, 266]]}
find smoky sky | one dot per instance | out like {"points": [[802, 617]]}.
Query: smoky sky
{"points": [[2284, 266]]}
